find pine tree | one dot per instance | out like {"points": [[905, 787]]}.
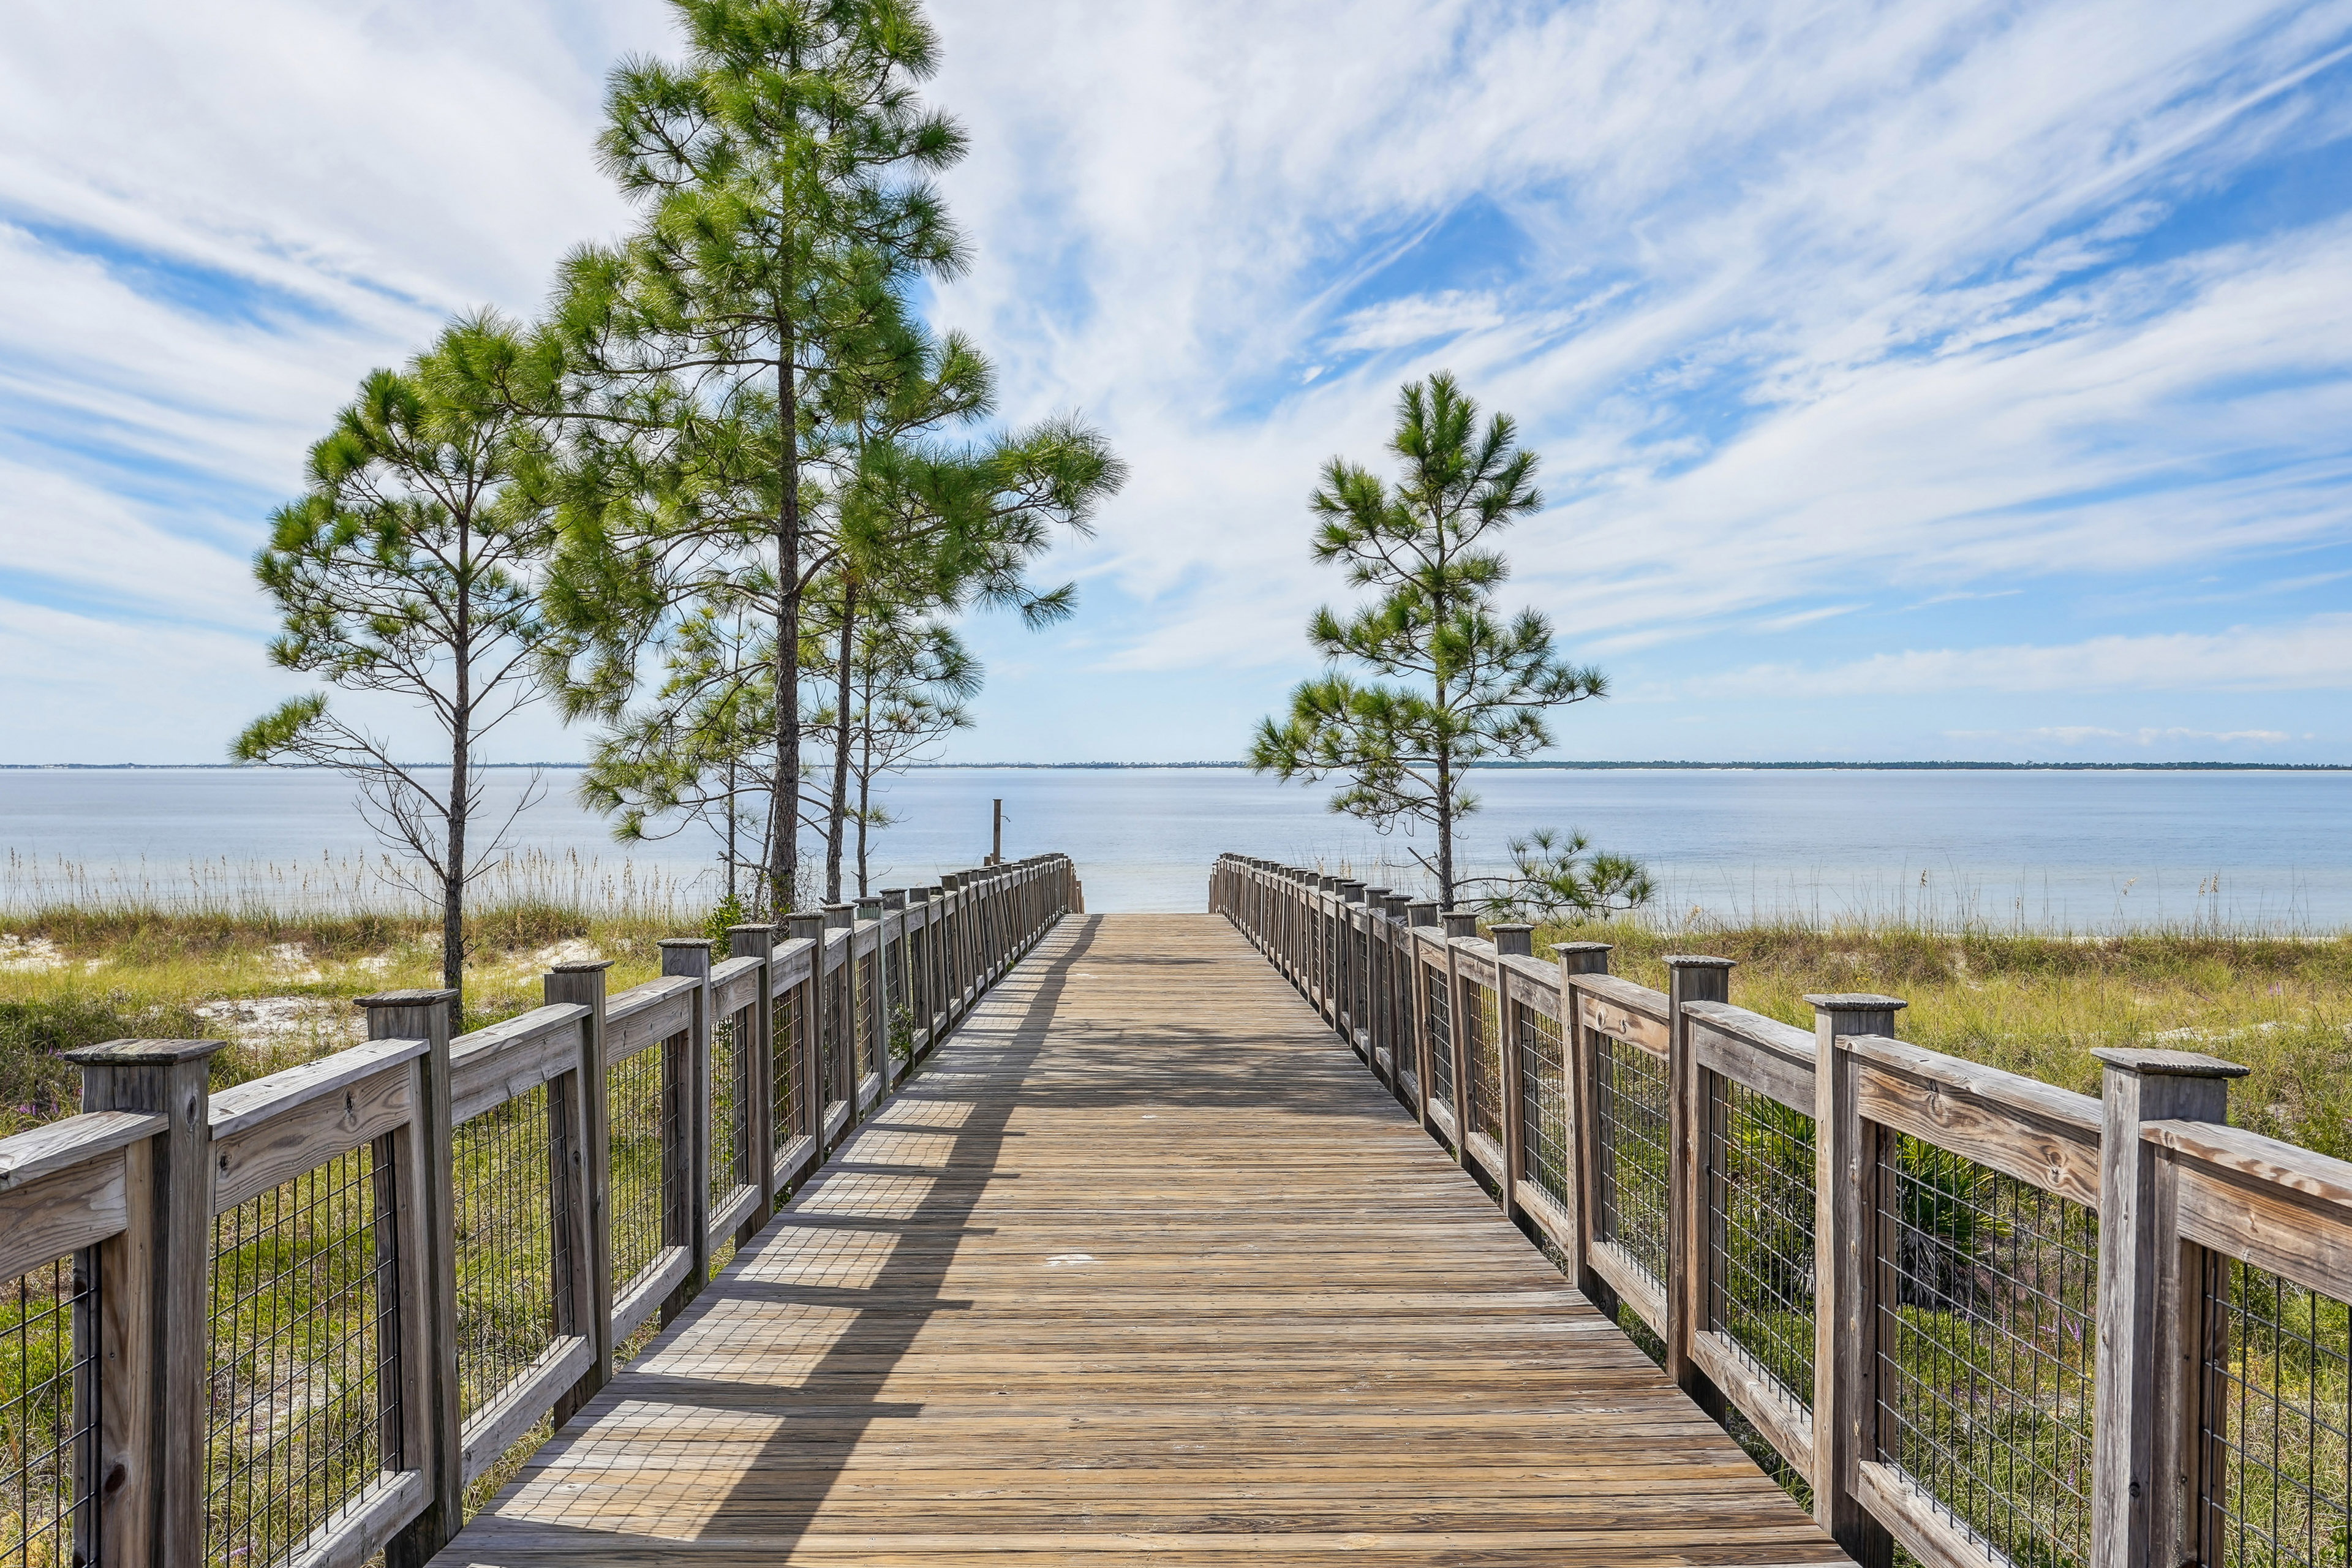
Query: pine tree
{"points": [[1450, 681], [409, 568], [705, 362]]}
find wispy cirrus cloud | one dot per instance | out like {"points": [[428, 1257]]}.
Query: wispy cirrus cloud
{"points": [[2014, 317]]}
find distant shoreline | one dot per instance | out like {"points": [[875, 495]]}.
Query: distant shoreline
{"points": [[1559, 766]]}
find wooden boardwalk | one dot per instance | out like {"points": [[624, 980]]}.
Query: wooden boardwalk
{"points": [[1144, 1266]]}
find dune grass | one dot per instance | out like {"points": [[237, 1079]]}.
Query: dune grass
{"points": [[278, 988], [2038, 1004]]}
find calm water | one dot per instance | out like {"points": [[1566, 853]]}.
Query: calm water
{"points": [[2051, 849]]}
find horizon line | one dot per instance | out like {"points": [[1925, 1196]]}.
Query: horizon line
{"points": [[1555, 764]]}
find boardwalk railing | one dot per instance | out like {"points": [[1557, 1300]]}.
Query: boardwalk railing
{"points": [[290, 1323], [1989, 1320]]}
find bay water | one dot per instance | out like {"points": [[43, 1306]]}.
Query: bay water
{"points": [[2077, 851]]}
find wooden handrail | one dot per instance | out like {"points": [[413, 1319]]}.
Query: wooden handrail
{"points": [[2200, 1190], [130, 1188]]}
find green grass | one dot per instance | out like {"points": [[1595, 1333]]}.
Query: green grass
{"points": [[2037, 1005]]}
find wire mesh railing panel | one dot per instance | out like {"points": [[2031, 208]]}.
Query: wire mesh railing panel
{"points": [[869, 999], [1630, 1149], [514, 1267], [642, 1117], [1543, 1102], [1759, 1218], [898, 1009], [833, 989], [48, 1418], [1441, 1033], [304, 1415], [786, 1021], [730, 1100], [2273, 1462], [1483, 1051], [1986, 1346]]}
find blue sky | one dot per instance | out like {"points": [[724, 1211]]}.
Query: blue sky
{"points": [[1934, 380]]}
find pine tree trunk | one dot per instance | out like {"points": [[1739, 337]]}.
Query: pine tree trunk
{"points": [[453, 865], [837, 808], [783, 813]]}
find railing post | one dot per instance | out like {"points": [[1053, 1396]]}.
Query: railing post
{"points": [[2145, 1403], [1689, 978], [1460, 924], [425, 1016], [1377, 1029], [579, 1124], [154, 1337], [878, 1028], [686, 1132], [847, 1050], [1845, 1275], [758, 1056], [1582, 1070], [1512, 939], [894, 910], [1421, 913], [807, 925]]}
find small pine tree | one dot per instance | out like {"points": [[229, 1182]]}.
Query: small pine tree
{"points": [[1451, 681]]}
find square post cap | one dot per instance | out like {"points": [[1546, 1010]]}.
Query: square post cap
{"points": [[2165, 1064], [1422, 911], [422, 997], [581, 967], [1461, 923], [894, 898], [1698, 960], [1839, 1013], [804, 923], [1514, 939], [1854, 1002], [142, 1053], [1584, 957]]}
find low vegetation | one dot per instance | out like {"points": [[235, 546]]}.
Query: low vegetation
{"points": [[2038, 1004], [279, 989]]}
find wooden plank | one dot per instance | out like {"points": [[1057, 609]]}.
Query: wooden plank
{"points": [[1545, 1210], [350, 1536], [63, 1212], [311, 1131], [1773, 1059], [524, 1403], [2260, 1161], [1925, 1530], [42, 1152], [1641, 1290], [2277, 1228], [246, 1106], [1603, 1013], [1772, 1410], [792, 966], [506, 1061], [1533, 985], [733, 1211], [645, 1016], [2059, 1156], [1144, 1266], [734, 985], [641, 1297]]}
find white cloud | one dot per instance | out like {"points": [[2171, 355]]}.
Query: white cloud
{"points": [[1417, 318], [1800, 302], [2145, 736], [2315, 655]]}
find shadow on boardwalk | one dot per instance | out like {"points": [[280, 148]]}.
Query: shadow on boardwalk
{"points": [[1142, 1267]]}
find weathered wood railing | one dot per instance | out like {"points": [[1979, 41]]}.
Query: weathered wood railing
{"points": [[1987, 1320], [291, 1321]]}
